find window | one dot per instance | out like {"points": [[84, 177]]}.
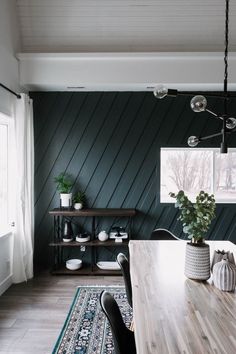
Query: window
{"points": [[5, 123], [201, 169]]}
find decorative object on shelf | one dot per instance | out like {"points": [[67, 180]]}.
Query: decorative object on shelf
{"points": [[67, 232], [118, 233], [85, 237], [219, 255], [199, 102], [224, 275], [108, 265], [64, 184], [74, 264], [196, 218], [103, 236], [79, 200]]}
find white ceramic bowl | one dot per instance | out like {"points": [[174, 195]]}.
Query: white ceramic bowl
{"points": [[73, 264], [82, 239]]}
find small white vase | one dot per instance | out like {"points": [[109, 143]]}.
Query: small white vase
{"points": [[66, 200], [103, 236], [197, 261], [224, 275], [78, 206]]}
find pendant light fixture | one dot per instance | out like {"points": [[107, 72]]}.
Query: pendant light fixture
{"points": [[199, 103]]}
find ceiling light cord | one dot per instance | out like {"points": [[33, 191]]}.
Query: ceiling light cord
{"points": [[226, 47], [224, 146]]}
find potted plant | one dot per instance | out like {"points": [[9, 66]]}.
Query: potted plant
{"points": [[64, 184], [79, 200], [196, 218]]}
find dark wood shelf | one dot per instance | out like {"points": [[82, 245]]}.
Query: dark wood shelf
{"points": [[98, 271], [59, 246], [95, 243], [86, 270], [93, 212]]}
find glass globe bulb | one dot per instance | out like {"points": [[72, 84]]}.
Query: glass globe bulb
{"points": [[193, 141], [231, 123], [198, 103], [160, 91]]}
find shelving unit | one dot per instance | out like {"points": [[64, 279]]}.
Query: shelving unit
{"points": [[58, 245]]}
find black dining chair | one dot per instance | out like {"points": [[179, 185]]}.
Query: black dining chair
{"points": [[163, 234], [123, 338], [124, 265]]}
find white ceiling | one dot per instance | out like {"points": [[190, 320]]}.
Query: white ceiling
{"points": [[124, 25]]}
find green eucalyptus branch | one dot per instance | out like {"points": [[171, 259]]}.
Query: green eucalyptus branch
{"points": [[196, 217]]}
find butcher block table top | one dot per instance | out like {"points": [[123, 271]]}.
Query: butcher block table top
{"points": [[173, 314]]}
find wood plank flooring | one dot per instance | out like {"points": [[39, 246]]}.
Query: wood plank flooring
{"points": [[32, 314]]}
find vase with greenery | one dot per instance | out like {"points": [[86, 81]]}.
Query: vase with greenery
{"points": [[64, 184], [196, 219], [79, 200]]}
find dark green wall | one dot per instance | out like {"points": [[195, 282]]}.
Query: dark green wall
{"points": [[110, 143]]}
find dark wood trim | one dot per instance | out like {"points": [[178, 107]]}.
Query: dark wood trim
{"points": [[86, 270], [94, 212], [94, 243]]}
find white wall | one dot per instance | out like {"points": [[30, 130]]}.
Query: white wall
{"points": [[124, 71], [9, 45]]}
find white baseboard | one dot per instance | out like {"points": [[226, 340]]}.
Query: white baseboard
{"points": [[5, 284]]}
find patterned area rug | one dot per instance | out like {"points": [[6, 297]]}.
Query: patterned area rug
{"points": [[86, 329]]}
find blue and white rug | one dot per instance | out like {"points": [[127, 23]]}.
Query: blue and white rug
{"points": [[86, 329]]}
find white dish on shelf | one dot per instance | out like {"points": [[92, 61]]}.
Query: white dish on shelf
{"points": [[82, 239], [107, 265], [73, 264], [67, 239], [124, 235]]}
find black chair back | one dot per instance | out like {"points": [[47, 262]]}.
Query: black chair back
{"points": [[163, 234], [124, 265], [123, 338]]}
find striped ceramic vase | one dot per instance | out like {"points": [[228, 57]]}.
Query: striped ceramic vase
{"points": [[224, 275], [197, 261]]}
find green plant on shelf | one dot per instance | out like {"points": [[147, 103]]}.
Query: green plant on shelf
{"points": [[79, 197], [64, 183]]}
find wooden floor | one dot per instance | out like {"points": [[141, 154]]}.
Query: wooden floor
{"points": [[32, 314]]}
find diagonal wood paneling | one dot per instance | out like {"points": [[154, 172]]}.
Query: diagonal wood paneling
{"points": [[110, 143]]}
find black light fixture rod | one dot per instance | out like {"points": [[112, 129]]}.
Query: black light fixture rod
{"points": [[223, 145], [209, 136], [9, 90], [194, 93], [213, 114]]}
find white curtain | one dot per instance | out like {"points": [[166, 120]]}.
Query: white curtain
{"points": [[23, 233]]}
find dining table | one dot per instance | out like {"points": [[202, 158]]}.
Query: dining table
{"points": [[173, 314]]}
